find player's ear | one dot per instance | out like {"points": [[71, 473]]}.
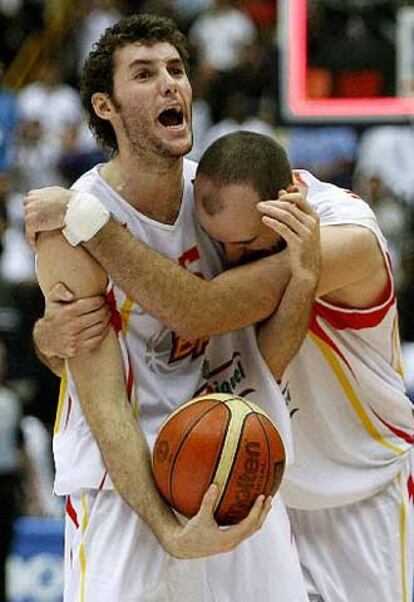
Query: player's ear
{"points": [[102, 104]]}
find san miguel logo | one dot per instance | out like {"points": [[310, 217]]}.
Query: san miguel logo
{"points": [[218, 383], [181, 347]]}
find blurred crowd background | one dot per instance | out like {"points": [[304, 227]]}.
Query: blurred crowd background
{"points": [[44, 141]]}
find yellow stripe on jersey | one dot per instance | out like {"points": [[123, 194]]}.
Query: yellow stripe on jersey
{"points": [[61, 401], [126, 313], [82, 549], [352, 396], [134, 404], [403, 543], [238, 412]]}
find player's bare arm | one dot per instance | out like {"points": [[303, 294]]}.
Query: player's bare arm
{"points": [[281, 335], [193, 307], [353, 269], [100, 381], [73, 325]]}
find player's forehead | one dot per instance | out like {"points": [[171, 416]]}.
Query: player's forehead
{"points": [[132, 55], [226, 198], [228, 213]]}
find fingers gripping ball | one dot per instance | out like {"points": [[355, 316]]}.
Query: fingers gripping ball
{"points": [[221, 439]]}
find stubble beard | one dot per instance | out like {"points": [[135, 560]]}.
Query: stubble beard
{"points": [[146, 146]]}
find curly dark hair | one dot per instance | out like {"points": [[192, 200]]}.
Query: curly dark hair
{"points": [[97, 73]]}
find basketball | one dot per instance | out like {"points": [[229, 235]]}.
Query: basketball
{"points": [[221, 439]]}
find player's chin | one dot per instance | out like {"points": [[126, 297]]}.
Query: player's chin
{"points": [[179, 148]]}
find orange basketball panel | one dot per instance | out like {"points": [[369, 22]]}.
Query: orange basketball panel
{"points": [[170, 438], [197, 459]]}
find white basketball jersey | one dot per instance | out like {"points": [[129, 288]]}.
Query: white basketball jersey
{"points": [[162, 368], [351, 419]]}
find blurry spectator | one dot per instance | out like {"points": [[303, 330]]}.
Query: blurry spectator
{"points": [[12, 319], [10, 465], [386, 158], [36, 156], [329, 152], [220, 35], [187, 11], [11, 27], [21, 304], [79, 153], [95, 17], [202, 119], [163, 8], [263, 14], [406, 296], [239, 117], [38, 446], [396, 221], [51, 102], [16, 257], [250, 77], [8, 123]]}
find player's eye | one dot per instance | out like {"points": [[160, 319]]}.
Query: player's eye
{"points": [[143, 75], [176, 71]]}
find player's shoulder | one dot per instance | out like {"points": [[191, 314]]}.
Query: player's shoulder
{"points": [[88, 181], [332, 203]]}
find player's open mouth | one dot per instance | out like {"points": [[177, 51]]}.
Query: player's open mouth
{"points": [[171, 118]]}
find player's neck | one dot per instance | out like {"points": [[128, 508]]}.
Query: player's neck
{"points": [[155, 191]]}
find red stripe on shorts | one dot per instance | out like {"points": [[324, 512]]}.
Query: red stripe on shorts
{"points": [[71, 512]]}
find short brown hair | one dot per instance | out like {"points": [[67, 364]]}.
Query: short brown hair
{"points": [[245, 157], [97, 73]]}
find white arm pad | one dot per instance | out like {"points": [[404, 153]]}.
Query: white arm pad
{"points": [[85, 216]]}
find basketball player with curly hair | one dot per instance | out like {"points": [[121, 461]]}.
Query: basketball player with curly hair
{"points": [[119, 383]]}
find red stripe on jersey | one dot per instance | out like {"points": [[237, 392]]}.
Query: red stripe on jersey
{"points": [[115, 315], [102, 483], [342, 318], [299, 180], [130, 378], [410, 485], [71, 512], [395, 430], [317, 330], [69, 411]]}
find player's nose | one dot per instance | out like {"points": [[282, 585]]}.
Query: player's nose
{"points": [[168, 83]]}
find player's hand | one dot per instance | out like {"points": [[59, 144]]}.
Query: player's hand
{"points": [[201, 536], [44, 209], [293, 218], [71, 327]]}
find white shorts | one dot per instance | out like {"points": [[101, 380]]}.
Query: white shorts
{"points": [[264, 568], [362, 552], [112, 556]]}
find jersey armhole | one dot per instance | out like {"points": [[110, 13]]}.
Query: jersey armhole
{"points": [[354, 318]]}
